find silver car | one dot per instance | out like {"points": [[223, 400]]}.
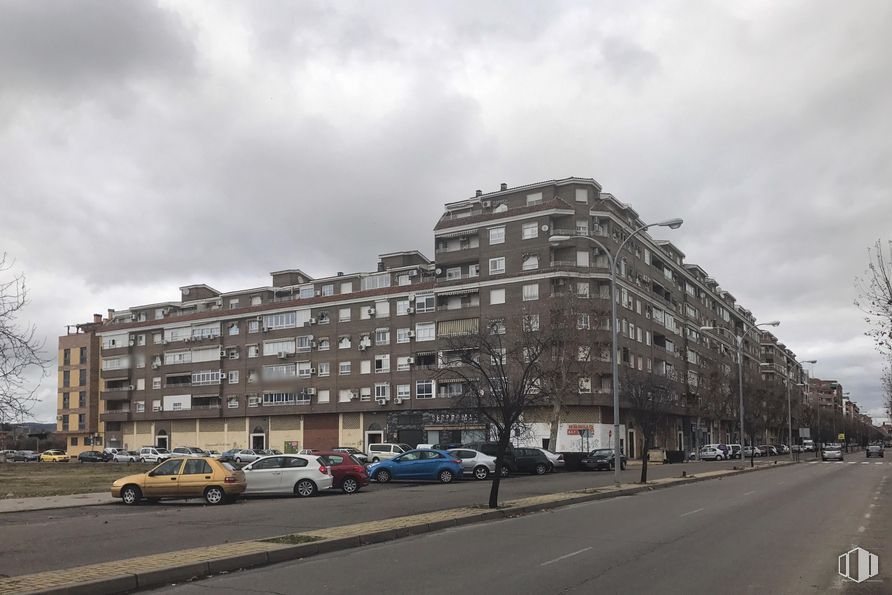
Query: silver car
{"points": [[474, 462], [125, 456], [831, 452], [247, 455], [555, 460]]}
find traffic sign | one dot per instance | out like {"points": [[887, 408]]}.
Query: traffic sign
{"points": [[841, 436]]}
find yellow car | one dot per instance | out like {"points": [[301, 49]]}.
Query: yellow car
{"points": [[53, 456], [191, 477]]}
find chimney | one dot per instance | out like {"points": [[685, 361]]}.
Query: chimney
{"points": [[97, 318], [480, 193], [111, 313], [504, 186], [340, 273]]}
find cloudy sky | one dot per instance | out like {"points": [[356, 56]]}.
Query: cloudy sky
{"points": [[147, 146]]}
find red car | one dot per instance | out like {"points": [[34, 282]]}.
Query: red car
{"points": [[349, 474]]}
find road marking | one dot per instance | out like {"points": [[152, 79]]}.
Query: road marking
{"points": [[865, 463], [867, 515], [854, 462], [877, 463], [565, 556], [872, 505], [748, 493], [693, 512], [813, 463], [861, 529]]}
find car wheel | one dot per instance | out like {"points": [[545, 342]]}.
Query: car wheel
{"points": [[238, 459], [376, 460], [445, 476], [505, 471], [214, 495], [481, 472], [719, 458], [550, 467], [541, 469], [305, 488], [142, 459], [350, 485], [131, 495], [382, 476]]}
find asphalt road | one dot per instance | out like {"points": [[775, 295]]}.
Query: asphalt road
{"points": [[54, 539], [778, 531]]}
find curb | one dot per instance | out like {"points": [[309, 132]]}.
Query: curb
{"points": [[272, 553]]}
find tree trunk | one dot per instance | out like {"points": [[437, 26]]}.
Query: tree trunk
{"points": [[644, 459], [555, 425], [504, 438]]}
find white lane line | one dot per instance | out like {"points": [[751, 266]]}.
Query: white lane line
{"points": [[565, 556], [874, 463], [865, 463], [872, 505], [867, 515], [813, 462], [748, 493], [861, 529], [693, 512]]}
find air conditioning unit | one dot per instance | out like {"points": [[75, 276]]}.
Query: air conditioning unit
{"points": [[354, 395], [411, 297], [413, 273], [318, 292], [398, 400], [313, 345], [410, 360], [310, 390], [313, 321], [362, 347], [312, 371], [411, 334], [371, 311], [131, 387], [223, 353], [381, 400], [410, 310], [265, 329], [486, 204], [155, 365], [259, 318]]}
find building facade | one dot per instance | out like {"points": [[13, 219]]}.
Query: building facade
{"points": [[354, 358], [77, 406]]}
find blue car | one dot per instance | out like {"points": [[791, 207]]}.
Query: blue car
{"points": [[418, 464]]}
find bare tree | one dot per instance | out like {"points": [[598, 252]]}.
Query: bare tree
{"points": [[500, 370], [648, 397], [887, 387], [875, 298], [19, 346], [575, 333]]}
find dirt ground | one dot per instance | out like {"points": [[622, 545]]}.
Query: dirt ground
{"points": [[19, 480]]}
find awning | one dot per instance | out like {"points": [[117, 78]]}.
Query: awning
{"points": [[457, 234], [459, 291], [464, 326]]}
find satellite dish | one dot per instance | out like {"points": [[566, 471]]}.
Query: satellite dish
{"points": [[545, 228], [439, 271]]}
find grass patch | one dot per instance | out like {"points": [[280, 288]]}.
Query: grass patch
{"points": [[23, 480], [293, 539]]}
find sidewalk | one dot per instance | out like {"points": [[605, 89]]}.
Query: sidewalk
{"points": [[196, 563], [53, 502]]}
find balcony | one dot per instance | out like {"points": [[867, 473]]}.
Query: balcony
{"points": [[597, 232], [115, 415], [116, 394], [115, 373], [463, 278]]}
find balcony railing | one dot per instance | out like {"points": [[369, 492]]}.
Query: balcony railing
{"points": [[598, 232]]}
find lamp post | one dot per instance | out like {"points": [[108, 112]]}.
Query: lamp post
{"points": [[808, 392], [740, 339], [614, 322]]}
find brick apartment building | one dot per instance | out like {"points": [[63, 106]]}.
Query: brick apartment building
{"points": [[77, 418], [352, 359]]}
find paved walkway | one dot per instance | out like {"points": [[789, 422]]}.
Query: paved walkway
{"points": [[51, 502]]}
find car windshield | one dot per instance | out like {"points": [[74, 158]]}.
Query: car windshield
{"points": [[601, 452], [162, 451]]}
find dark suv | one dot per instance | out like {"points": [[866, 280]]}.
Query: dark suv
{"points": [[524, 460]]}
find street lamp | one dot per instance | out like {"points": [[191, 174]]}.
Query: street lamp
{"points": [[740, 339], [614, 323]]}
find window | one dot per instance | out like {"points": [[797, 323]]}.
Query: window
{"points": [[306, 292], [232, 402], [82, 375], [256, 300], [233, 377], [365, 393], [382, 336], [82, 399], [403, 391], [497, 327], [582, 195], [233, 303], [66, 377], [582, 258], [345, 395], [343, 368], [382, 309], [424, 389], [206, 377], [140, 406], [473, 270], [582, 288], [344, 315], [140, 384], [347, 287], [304, 343], [496, 296], [402, 364], [253, 351], [344, 342], [534, 198], [403, 279], [529, 231], [496, 235], [323, 317], [382, 391], [402, 307], [324, 368], [530, 262], [253, 326], [582, 321], [425, 331], [497, 265], [328, 290], [303, 369], [323, 396], [382, 364], [276, 347], [402, 335], [140, 340], [156, 339], [375, 281], [531, 292], [453, 273], [253, 401], [65, 399], [585, 385], [425, 303], [156, 383], [324, 344], [365, 366], [233, 329]]}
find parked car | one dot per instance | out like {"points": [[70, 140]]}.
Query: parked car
{"points": [[602, 458], [126, 456], [153, 454], [831, 451], [247, 455], [229, 455], [531, 460], [91, 456], [25, 456], [357, 454], [111, 451], [417, 464], [349, 475], [474, 462], [188, 451], [712, 453], [509, 462], [214, 454], [796, 448], [191, 477], [874, 450], [555, 461], [300, 475], [386, 450], [736, 451], [749, 451], [54, 456], [808, 445], [768, 450], [782, 449]]}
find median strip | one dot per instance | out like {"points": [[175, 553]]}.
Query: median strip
{"points": [[196, 563]]}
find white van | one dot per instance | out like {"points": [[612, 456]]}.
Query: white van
{"points": [[151, 454], [386, 450]]}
